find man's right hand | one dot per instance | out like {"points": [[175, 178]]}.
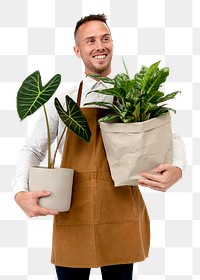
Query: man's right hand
{"points": [[28, 201]]}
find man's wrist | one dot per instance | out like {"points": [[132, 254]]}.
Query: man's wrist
{"points": [[179, 169], [18, 194]]}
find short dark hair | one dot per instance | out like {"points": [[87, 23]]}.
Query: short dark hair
{"points": [[100, 17]]}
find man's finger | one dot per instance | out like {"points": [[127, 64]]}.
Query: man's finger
{"points": [[40, 211], [152, 185], [45, 211], [153, 177], [149, 183], [162, 167], [38, 194]]}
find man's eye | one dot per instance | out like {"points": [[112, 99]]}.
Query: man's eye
{"points": [[106, 39], [91, 41]]}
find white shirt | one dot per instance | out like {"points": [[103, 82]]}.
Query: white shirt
{"points": [[35, 148]]}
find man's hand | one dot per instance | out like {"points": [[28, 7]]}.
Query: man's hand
{"points": [[166, 176], [28, 201]]}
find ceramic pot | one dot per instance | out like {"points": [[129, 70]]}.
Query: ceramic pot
{"points": [[58, 181]]}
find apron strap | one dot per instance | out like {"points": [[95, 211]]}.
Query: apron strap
{"points": [[79, 93], [115, 100]]}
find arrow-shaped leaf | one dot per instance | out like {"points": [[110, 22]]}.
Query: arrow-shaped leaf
{"points": [[73, 118], [32, 95]]}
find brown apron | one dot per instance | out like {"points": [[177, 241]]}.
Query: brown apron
{"points": [[105, 225]]}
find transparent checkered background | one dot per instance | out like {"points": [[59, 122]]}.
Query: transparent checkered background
{"points": [[38, 35]]}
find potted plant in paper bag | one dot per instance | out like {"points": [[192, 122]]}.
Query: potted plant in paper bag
{"points": [[137, 131], [30, 97]]}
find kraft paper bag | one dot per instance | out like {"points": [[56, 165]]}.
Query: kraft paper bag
{"points": [[134, 148]]}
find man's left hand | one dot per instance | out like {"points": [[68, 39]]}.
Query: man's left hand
{"points": [[167, 175]]}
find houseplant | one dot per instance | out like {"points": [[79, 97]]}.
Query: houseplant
{"points": [[30, 97], [137, 131]]}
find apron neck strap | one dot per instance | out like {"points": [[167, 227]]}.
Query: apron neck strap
{"points": [[79, 93]]}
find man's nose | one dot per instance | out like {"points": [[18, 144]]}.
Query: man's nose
{"points": [[99, 45]]}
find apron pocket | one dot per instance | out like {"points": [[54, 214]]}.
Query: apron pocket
{"points": [[116, 204], [81, 211]]}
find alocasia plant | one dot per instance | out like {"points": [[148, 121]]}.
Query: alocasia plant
{"points": [[32, 95]]}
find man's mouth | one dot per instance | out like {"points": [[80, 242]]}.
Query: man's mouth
{"points": [[102, 56]]}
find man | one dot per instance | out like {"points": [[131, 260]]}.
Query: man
{"points": [[106, 227]]}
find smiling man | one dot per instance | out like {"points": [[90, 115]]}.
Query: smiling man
{"points": [[94, 46], [105, 227]]}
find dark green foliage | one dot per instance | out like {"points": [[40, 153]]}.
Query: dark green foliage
{"points": [[32, 95], [138, 99], [73, 118]]}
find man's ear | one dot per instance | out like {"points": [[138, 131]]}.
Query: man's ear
{"points": [[77, 51]]}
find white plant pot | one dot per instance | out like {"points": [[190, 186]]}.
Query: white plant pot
{"points": [[58, 181], [137, 147]]}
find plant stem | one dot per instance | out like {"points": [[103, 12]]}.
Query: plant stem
{"points": [[57, 147], [126, 70], [48, 138]]}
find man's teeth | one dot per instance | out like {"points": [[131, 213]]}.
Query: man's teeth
{"points": [[100, 56]]}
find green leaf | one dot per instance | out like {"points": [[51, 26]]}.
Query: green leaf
{"points": [[120, 78], [106, 80], [32, 95], [128, 86], [154, 97], [136, 113], [139, 78], [101, 104], [110, 118], [165, 109], [118, 92], [145, 117], [168, 96], [157, 80], [73, 118], [149, 74]]}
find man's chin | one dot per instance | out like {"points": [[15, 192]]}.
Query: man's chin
{"points": [[101, 68]]}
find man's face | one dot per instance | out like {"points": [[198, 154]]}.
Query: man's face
{"points": [[94, 45]]}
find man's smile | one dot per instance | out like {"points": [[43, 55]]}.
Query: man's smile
{"points": [[102, 56]]}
